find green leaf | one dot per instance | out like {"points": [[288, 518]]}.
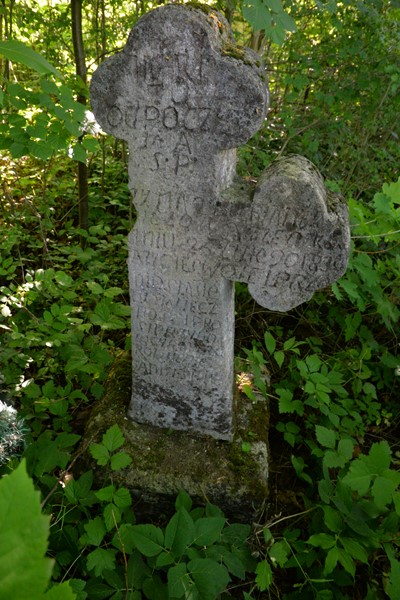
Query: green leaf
{"points": [[332, 519], [346, 561], [299, 465], [359, 477], [257, 14], [154, 589], [287, 22], [15, 50], [270, 342], [178, 580], [95, 531], [354, 549], [120, 461], [379, 458], [24, 570], [279, 553], [322, 540], [78, 150], [346, 448], [148, 539], [232, 562], [105, 494], [164, 559], [382, 491], [104, 315], [183, 500], [326, 437], [313, 363], [61, 591], [352, 323], [112, 516], [99, 453], [263, 575], [101, 560], [287, 404], [210, 577], [208, 530], [40, 150], [279, 357], [393, 585], [113, 438], [236, 534], [331, 560], [125, 536], [180, 532], [122, 498]]}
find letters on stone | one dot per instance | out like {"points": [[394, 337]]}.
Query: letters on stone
{"points": [[184, 97]]}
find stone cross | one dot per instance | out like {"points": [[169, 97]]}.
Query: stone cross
{"points": [[184, 96]]}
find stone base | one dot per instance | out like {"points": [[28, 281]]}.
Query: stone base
{"points": [[164, 461]]}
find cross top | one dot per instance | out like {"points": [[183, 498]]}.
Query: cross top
{"points": [[184, 97], [174, 95]]}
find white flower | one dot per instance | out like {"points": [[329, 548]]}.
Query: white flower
{"points": [[6, 408]]}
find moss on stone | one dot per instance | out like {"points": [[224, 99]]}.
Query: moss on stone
{"points": [[165, 461]]}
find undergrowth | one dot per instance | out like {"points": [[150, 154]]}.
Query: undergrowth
{"points": [[329, 370]]}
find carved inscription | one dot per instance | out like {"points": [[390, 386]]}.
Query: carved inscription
{"points": [[183, 106]]}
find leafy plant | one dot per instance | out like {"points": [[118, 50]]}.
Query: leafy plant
{"points": [[12, 433], [24, 571]]}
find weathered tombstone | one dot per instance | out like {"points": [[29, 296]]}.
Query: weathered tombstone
{"points": [[184, 97]]}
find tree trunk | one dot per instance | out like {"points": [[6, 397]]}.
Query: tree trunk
{"points": [[80, 68]]}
